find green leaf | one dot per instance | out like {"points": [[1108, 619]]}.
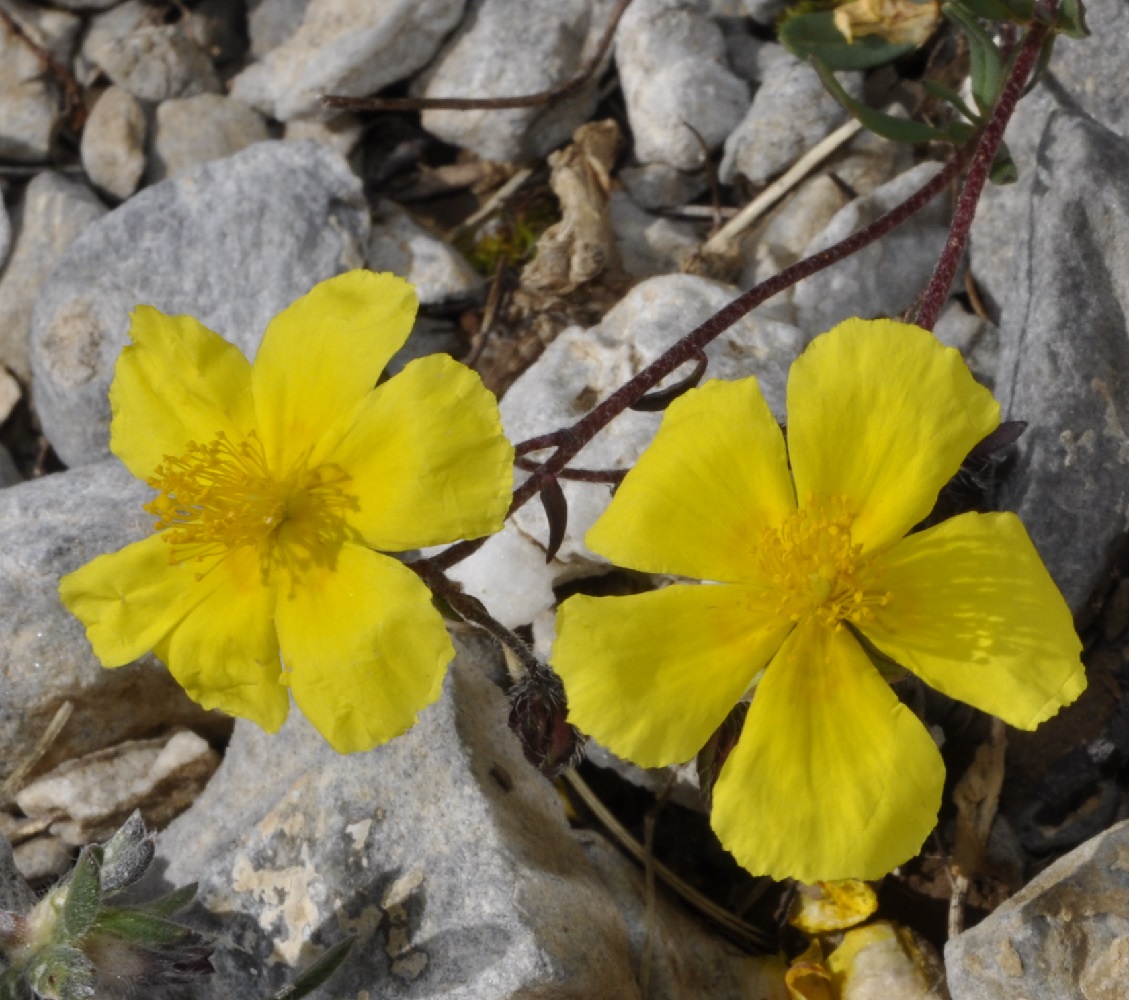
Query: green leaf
{"points": [[991, 10], [986, 70], [880, 123], [815, 34], [172, 903], [943, 93], [13, 987], [83, 894], [310, 978], [61, 973], [127, 855], [1041, 64], [1072, 19], [141, 928], [1004, 170]]}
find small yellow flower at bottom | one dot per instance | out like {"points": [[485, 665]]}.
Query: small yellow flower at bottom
{"points": [[832, 776], [280, 485]]}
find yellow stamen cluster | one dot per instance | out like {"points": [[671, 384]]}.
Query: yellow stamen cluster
{"points": [[222, 496], [815, 568]]}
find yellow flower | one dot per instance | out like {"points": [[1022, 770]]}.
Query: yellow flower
{"points": [[897, 21], [832, 776], [276, 483]]}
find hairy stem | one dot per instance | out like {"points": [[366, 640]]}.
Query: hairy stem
{"points": [[472, 611], [936, 293], [569, 441]]}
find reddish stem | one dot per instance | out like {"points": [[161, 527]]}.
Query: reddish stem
{"points": [[936, 293], [569, 440]]}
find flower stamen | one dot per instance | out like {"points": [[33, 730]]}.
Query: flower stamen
{"points": [[222, 496], [816, 569]]}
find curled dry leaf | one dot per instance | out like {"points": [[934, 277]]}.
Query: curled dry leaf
{"points": [[977, 796], [581, 247]]}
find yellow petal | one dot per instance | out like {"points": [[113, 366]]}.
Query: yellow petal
{"points": [[225, 652], [426, 458], [652, 676], [832, 777], [882, 414], [129, 600], [700, 497], [177, 382], [974, 613], [321, 355], [364, 648]]}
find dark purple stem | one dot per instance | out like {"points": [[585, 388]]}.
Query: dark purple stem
{"points": [[612, 476], [936, 293], [569, 440]]}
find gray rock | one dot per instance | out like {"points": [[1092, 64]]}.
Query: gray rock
{"points": [[9, 474], [443, 850], [5, 233], [107, 30], [686, 960], [231, 242], [341, 133], [113, 143], [272, 22], [89, 798], [650, 244], [400, 245], [30, 100], [762, 11], [883, 278], [1064, 936], [54, 210], [671, 61], [495, 54], [352, 47], [10, 393], [1085, 74], [1064, 351], [789, 229], [742, 48], [790, 113], [976, 339], [48, 528], [15, 893], [156, 63], [657, 185], [578, 369], [43, 858], [194, 130]]}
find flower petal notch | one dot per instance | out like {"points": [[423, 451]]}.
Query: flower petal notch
{"points": [[281, 485], [812, 572]]}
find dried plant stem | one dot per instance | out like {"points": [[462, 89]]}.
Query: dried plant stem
{"points": [[732, 231], [73, 106], [570, 440], [937, 291], [14, 782], [750, 935], [486, 103]]}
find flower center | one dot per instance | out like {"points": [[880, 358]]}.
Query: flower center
{"points": [[816, 569], [222, 496]]}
